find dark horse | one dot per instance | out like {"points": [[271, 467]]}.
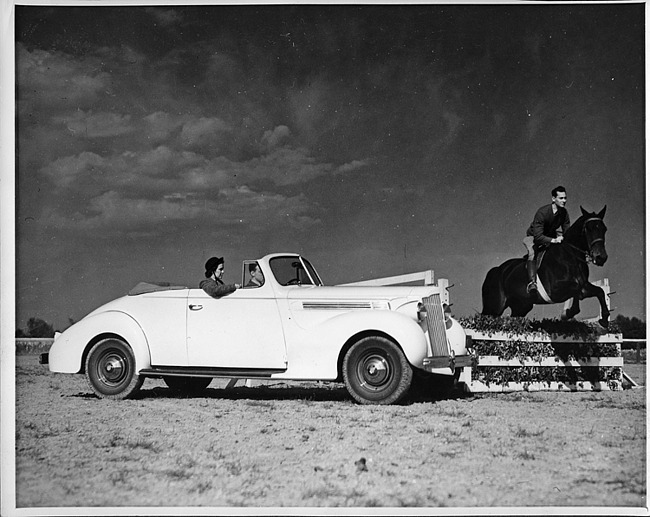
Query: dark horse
{"points": [[563, 273]]}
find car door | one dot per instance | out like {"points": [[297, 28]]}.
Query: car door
{"points": [[240, 330]]}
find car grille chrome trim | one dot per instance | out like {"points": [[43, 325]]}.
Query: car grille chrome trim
{"points": [[436, 326], [345, 306]]}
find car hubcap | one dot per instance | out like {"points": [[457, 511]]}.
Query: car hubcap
{"points": [[375, 371], [112, 369]]}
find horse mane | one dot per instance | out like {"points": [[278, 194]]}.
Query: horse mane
{"points": [[575, 230]]}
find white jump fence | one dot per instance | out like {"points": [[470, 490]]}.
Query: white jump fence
{"points": [[614, 383]]}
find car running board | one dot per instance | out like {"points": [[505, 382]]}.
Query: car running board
{"points": [[200, 371]]}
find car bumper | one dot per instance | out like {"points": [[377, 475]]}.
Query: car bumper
{"points": [[451, 362]]}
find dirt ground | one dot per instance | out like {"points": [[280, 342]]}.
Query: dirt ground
{"points": [[309, 445]]}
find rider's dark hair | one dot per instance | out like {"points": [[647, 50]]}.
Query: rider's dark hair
{"points": [[557, 189]]}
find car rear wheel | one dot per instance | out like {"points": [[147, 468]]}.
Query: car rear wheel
{"points": [[187, 385], [376, 371], [110, 370]]}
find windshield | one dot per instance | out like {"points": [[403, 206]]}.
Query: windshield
{"points": [[291, 271]]}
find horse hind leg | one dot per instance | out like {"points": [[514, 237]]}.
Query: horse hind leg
{"points": [[520, 308], [494, 298]]}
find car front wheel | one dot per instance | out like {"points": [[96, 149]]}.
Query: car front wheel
{"points": [[376, 371], [110, 370]]}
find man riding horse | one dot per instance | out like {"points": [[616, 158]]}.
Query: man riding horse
{"points": [[548, 227], [568, 251]]}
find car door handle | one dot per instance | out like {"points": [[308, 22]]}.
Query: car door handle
{"points": [[196, 307]]}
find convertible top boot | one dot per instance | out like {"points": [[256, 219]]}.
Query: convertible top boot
{"points": [[531, 267]]}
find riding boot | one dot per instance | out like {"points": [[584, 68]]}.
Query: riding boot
{"points": [[531, 267]]}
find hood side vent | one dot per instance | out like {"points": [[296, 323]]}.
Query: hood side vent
{"points": [[345, 306]]}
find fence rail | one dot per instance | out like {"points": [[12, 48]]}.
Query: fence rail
{"points": [[640, 344], [30, 345]]}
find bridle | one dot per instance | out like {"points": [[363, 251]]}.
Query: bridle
{"points": [[587, 252]]}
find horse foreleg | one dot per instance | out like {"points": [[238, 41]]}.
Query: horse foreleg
{"points": [[591, 291], [572, 310]]}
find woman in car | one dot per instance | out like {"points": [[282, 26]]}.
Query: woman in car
{"points": [[213, 285]]}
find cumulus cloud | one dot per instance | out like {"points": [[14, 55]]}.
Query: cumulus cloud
{"points": [[287, 166], [120, 161], [159, 126], [96, 125], [51, 80], [276, 137], [112, 212], [162, 185], [164, 168], [64, 171], [203, 131], [352, 166]]}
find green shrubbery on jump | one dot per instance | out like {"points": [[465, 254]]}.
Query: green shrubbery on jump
{"points": [[514, 354]]}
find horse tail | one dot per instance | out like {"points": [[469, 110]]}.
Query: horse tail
{"points": [[494, 296]]}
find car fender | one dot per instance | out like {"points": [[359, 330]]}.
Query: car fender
{"points": [[68, 352], [404, 330]]}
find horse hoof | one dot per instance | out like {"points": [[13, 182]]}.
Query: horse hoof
{"points": [[604, 323]]}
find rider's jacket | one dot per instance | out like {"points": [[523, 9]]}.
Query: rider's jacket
{"points": [[547, 225]]}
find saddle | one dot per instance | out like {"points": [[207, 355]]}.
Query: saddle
{"points": [[539, 256]]}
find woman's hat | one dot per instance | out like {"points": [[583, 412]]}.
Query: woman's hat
{"points": [[212, 264]]}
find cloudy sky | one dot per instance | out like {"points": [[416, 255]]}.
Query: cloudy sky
{"points": [[376, 140]]}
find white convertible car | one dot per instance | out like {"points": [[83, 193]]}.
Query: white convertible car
{"points": [[292, 327]]}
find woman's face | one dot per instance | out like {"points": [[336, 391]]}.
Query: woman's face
{"points": [[219, 271]]}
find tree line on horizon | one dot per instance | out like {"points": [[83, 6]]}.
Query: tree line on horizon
{"points": [[37, 327], [631, 328]]}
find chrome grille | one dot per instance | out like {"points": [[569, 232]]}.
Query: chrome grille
{"points": [[436, 326]]}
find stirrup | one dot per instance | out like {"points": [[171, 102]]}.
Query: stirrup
{"points": [[532, 286]]}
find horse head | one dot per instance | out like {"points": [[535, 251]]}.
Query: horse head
{"points": [[593, 231]]}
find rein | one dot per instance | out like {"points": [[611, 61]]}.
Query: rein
{"points": [[587, 258]]}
